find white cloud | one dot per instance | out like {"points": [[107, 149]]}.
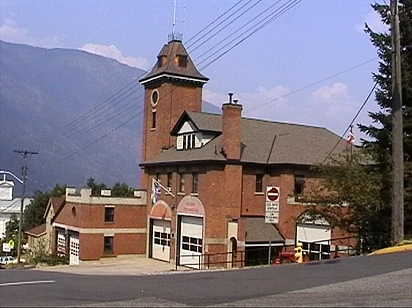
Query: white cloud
{"points": [[113, 52], [333, 100], [374, 21], [12, 34], [330, 94]]}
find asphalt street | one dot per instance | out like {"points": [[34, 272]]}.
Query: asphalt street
{"points": [[381, 280]]}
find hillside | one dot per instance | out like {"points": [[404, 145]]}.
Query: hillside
{"points": [[81, 112]]}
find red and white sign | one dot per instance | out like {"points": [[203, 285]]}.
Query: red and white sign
{"points": [[272, 205], [272, 193]]}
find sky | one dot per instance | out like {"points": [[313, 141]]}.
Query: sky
{"points": [[312, 63]]}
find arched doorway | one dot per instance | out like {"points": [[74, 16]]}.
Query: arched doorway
{"points": [[190, 221], [160, 224]]}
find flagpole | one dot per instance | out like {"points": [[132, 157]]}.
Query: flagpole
{"points": [[351, 144], [164, 188]]}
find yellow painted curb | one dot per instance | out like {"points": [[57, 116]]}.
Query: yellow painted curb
{"points": [[392, 249]]}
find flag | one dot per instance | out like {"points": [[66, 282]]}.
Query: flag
{"points": [[156, 190], [351, 137]]}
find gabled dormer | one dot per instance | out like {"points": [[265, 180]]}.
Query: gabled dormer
{"points": [[191, 134]]}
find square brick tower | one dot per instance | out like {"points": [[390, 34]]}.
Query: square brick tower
{"points": [[171, 87]]}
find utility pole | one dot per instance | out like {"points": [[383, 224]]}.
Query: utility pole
{"points": [[24, 169], [397, 131]]}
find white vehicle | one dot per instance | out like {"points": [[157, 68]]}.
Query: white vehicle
{"points": [[9, 260]]}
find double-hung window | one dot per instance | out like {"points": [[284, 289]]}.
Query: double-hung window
{"points": [[299, 184], [181, 182], [259, 183], [108, 244], [109, 214], [169, 180], [195, 182]]}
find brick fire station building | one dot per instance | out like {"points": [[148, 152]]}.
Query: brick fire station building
{"points": [[215, 172]]}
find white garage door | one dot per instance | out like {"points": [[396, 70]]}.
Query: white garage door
{"points": [[74, 250], [161, 240], [315, 239], [191, 241]]}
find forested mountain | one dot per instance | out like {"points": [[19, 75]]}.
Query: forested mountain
{"points": [[81, 112]]}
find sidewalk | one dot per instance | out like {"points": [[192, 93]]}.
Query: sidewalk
{"points": [[131, 267]]}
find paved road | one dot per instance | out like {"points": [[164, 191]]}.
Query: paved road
{"points": [[382, 280]]}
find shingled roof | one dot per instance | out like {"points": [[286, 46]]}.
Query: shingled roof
{"points": [[257, 230], [263, 142], [55, 203], [37, 230], [170, 52]]}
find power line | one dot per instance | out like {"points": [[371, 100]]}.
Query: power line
{"points": [[223, 28], [92, 113], [97, 140], [201, 31], [265, 22], [101, 110], [312, 84], [240, 28], [351, 123], [113, 100], [3, 210], [108, 117], [284, 10]]}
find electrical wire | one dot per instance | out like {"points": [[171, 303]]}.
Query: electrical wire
{"points": [[115, 99], [265, 22], [240, 28], [284, 10], [351, 123], [74, 126], [210, 24], [107, 104], [105, 135], [230, 21], [312, 84]]}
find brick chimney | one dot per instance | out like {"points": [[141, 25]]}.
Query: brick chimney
{"points": [[232, 129]]}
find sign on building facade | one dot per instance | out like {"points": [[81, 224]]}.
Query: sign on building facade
{"points": [[272, 205]]}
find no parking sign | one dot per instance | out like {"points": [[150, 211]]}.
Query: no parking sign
{"points": [[272, 205]]}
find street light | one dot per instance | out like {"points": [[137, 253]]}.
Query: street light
{"points": [[13, 175]]}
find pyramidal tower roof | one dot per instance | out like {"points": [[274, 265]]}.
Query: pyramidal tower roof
{"points": [[173, 61]]}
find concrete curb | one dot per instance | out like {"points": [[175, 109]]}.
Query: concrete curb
{"points": [[392, 249]]}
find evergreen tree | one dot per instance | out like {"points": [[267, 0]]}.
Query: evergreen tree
{"points": [[380, 133], [118, 190], [34, 212], [122, 190], [96, 187]]}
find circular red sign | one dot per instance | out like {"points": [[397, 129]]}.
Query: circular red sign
{"points": [[273, 194]]}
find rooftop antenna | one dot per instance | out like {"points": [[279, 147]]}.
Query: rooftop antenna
{"points": [[175, 35], [174, 17]]}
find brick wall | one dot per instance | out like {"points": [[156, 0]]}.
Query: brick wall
{"points": [[173, 100]]}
